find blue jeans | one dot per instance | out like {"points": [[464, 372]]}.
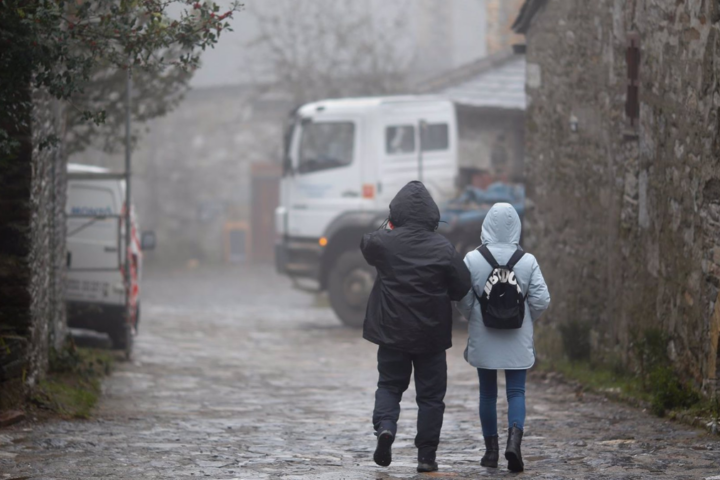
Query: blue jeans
{"points": [[515, 388]]}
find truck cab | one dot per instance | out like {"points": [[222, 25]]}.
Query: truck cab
{"points": [[344, 162]]}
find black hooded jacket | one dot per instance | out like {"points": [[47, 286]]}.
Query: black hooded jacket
{"points": [[418, 274]]}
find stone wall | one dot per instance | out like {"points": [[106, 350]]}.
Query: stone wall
{"points": [[48, 233], [32, 253], [626, 222]]}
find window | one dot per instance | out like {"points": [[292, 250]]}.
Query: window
{"points": [[89, 200], [435, 137], [400, 139], [632, 98], [326, 145], [237, 242]]}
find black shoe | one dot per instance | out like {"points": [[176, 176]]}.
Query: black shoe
{"points": [[383, 451], [425, 467], [512, 452], [492, 452]]}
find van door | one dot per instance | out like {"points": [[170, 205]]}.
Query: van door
{"points": [[327, 178], [93, 241]]}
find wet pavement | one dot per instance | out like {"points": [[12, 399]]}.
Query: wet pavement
{"points": [[236, 375]]}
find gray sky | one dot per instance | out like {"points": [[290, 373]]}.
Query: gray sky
{"points": [[463, 21], [227, 62]]}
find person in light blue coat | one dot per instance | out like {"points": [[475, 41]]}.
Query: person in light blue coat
{"points": [[490, 349]]}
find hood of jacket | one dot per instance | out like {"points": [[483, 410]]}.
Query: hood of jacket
{"points": [[501, 225], [413, 206]]}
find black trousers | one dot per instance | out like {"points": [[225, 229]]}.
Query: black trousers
{"points": [[395, 369]]}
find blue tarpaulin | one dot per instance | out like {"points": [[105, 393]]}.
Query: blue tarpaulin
{"points": [[474, 203]]}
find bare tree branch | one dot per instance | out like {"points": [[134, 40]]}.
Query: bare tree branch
{"points": [[330, 48]]}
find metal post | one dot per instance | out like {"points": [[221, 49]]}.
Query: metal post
{"points": [[128, 198], [421, 134]]}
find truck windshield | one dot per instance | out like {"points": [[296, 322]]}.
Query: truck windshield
{"points": [[326, 145]]}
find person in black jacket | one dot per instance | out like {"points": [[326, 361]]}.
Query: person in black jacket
{"points": [[409, 316]]}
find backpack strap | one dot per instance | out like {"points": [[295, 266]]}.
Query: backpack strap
{"points": [[485, 251], [515, 258]]}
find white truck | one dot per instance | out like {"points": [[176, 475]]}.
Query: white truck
{"points": [[344, 162], [98, 295]]}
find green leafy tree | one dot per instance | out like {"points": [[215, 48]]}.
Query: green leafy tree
{"points": [[65, 47], [154, 93]]}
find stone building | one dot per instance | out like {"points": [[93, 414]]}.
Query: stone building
{"points": [[500, 16], [446, 35], [623, 169], [32, 253]]}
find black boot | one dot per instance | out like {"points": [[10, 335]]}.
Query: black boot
{"points": [[383, 451], [492, 452], [426, 460], [512, 452], [426, 467]]}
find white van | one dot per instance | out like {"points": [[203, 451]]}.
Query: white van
{"points": [[344, 162], [97, 295]]}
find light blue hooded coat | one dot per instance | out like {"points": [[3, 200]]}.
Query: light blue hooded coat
{"points": [[491, 348]]}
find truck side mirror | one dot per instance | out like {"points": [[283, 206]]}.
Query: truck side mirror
{"points": [[147, 241]]}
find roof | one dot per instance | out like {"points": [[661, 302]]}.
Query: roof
{"points": [[363, 103], [78, 171], [80, 168], [527, 13], [492, 82]]}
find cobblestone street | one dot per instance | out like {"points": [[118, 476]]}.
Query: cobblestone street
{"points": [[236, 375]]}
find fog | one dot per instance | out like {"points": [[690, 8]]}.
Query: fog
{"points": [[415, 28], [262, 311], [213, 164]]}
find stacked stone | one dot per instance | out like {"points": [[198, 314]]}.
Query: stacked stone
{"points": [[627, 218], [32, 253]]}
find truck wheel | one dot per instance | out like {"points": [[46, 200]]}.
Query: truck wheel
{"points": [[349, 284]]}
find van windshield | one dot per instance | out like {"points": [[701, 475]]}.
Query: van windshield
{"points": [[326, 145]]}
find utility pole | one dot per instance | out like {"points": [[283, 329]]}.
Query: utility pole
{"points": [[422, 125], [128, 201]]}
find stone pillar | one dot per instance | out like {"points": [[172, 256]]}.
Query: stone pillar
{"points": [[32, 250]]}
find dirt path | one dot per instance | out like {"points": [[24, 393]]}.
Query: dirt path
{"points": [[235, 375]]}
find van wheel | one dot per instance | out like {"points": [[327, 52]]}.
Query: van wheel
{"points": [[349, 284], [137, 317], [122, 338]]}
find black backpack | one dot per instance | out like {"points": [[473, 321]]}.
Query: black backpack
{"points": [[502, 302]]}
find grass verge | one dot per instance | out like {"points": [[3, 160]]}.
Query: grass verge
{"points": [[691, 409], [73, 383], [617, 385]]}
